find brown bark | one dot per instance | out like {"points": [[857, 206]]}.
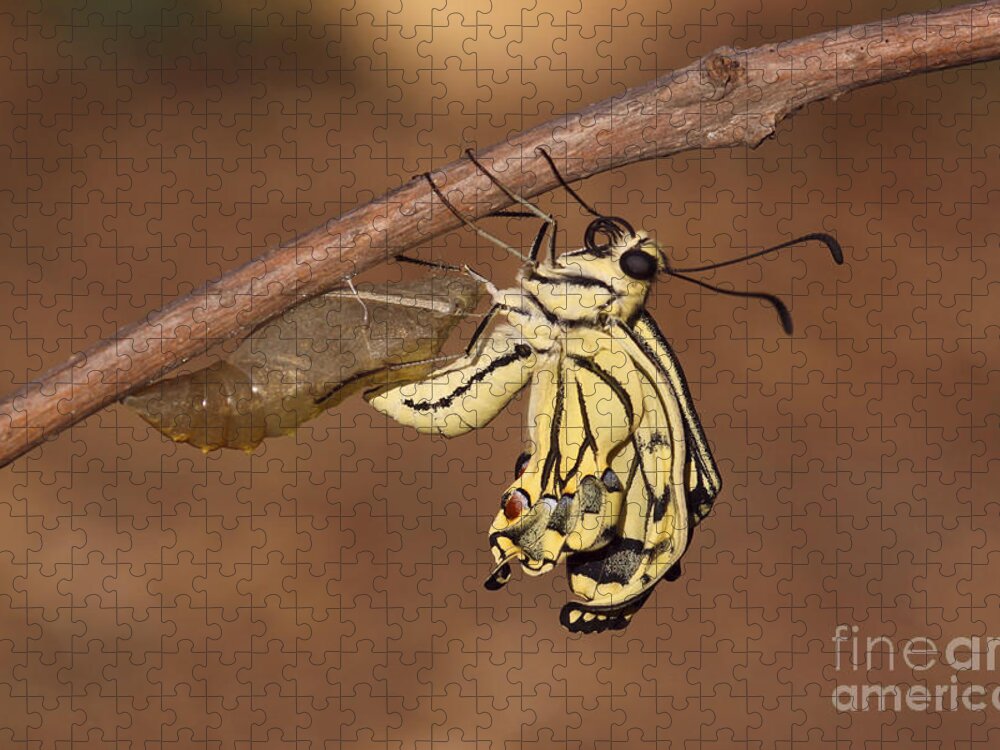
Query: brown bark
{"points": [[728, 98]]}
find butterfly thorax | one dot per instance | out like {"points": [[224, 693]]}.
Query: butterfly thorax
{"points": [[583, 288]]}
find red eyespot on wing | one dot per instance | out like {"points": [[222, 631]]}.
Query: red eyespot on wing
{"points": [[515, 505], [512, 508]]}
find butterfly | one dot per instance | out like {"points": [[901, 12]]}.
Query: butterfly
{"points": [[617, 472]]}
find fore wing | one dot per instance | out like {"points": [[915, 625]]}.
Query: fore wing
{"points": [[468, 392], [706, 483]]}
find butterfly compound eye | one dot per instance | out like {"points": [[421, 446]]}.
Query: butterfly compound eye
{"points": [[638, 265]]}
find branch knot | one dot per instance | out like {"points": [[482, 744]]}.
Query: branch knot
{"points": [[722, 70]]}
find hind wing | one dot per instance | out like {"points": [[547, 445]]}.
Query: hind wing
{"points": [[670, 482]]}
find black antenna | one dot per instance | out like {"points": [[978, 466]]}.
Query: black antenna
{"points": [[565, 185], [831, 244], [777, 304], [786, 318]]}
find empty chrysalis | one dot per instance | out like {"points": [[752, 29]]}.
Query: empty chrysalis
{"points": [[309, 359]]}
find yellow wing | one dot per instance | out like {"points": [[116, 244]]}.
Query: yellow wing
{"points": [[468, 392], [705, 482], [617, 471], [564, 497], [669, 482]]}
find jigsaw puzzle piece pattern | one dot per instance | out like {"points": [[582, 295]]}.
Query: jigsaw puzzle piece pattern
{"points": [[325, 590]]}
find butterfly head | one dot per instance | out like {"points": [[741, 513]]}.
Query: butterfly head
{"points": [[618, 258], [614, 249]]}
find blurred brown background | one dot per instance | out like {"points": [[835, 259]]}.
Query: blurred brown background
{"points": [[324, 591]]}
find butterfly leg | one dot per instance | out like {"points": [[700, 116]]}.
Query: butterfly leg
{"points": [[470, 223], [549, 225]]}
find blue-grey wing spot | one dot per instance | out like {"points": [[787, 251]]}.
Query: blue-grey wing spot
{"points": [[559, 520], [611, 481], [591, 495]]}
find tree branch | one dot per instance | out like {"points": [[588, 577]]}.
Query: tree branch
{"points": [[728, 98]]}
